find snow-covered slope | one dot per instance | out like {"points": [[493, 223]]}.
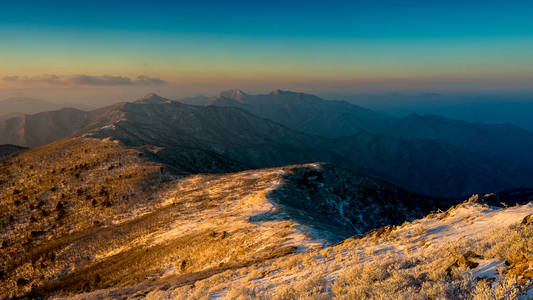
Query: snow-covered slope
{"points": [[85, 214], [471, 251], [92, 218]]}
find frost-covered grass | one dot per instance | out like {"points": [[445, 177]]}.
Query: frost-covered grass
{"points": [[153, 227], [378, 268], [223, 237]]}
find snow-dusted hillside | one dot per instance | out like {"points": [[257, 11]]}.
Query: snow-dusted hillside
{"points": [[86, 214], [90, 218], [471, 251]]}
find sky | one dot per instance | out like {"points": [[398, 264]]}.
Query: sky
{"points": [[195, 47]]}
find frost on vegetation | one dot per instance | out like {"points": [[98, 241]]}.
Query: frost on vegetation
{"points": [[493, 263], [177, 239]]}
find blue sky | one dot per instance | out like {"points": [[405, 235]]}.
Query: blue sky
{"points": [[268, 43]]}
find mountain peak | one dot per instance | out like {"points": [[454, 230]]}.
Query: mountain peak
{"points": [[236, 94], [282, 92], [152, 98]]}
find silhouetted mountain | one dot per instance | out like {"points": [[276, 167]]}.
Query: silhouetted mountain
{"points": [[17, 106], [21, 105]]}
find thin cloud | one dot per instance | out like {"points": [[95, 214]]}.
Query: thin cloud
{"points": [[83, 79], [143, 79], [11, 78]]}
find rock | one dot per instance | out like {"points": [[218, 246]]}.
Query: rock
{"points": [[383, 231], [523, 271], [465, 260], [528, 220], [491, 199]]}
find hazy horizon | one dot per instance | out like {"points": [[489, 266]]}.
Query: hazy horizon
{"points": [[180, 49]]}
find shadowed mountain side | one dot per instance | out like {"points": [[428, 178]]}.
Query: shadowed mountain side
{"points": [[329, 118], [185, 160], [426, 166], [225, 134], [8, 149], [430, 167], [341, 202], [510, 197], [505, 140], [306, 113]]}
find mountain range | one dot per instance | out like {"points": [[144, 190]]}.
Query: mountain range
{"points": [[236, 131], [19, 106], [161, 199], [313, 115]]}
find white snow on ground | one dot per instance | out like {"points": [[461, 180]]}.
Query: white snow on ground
{"points": [[468, 221], [487, 268], [465, 222], [238, 213]]}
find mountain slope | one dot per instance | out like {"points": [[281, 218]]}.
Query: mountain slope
{"points": [[42, 128], [103, 217], [213, 139], [505, 140], [101, 222], [456, 254], [334, 119], [430, 166], [304, 112]]}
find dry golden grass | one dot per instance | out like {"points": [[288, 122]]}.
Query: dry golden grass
{"points": [[144, 225], [61, 194], [147, 234], [351, 270]]}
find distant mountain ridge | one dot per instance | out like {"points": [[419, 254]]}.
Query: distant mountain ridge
{"points": [[218, 139], [303, 112], [18, 106], [505, 140], [23, 105], [42, 128], [332, 119]]}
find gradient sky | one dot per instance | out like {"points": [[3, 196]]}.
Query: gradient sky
{"points": [[344, 45]]}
